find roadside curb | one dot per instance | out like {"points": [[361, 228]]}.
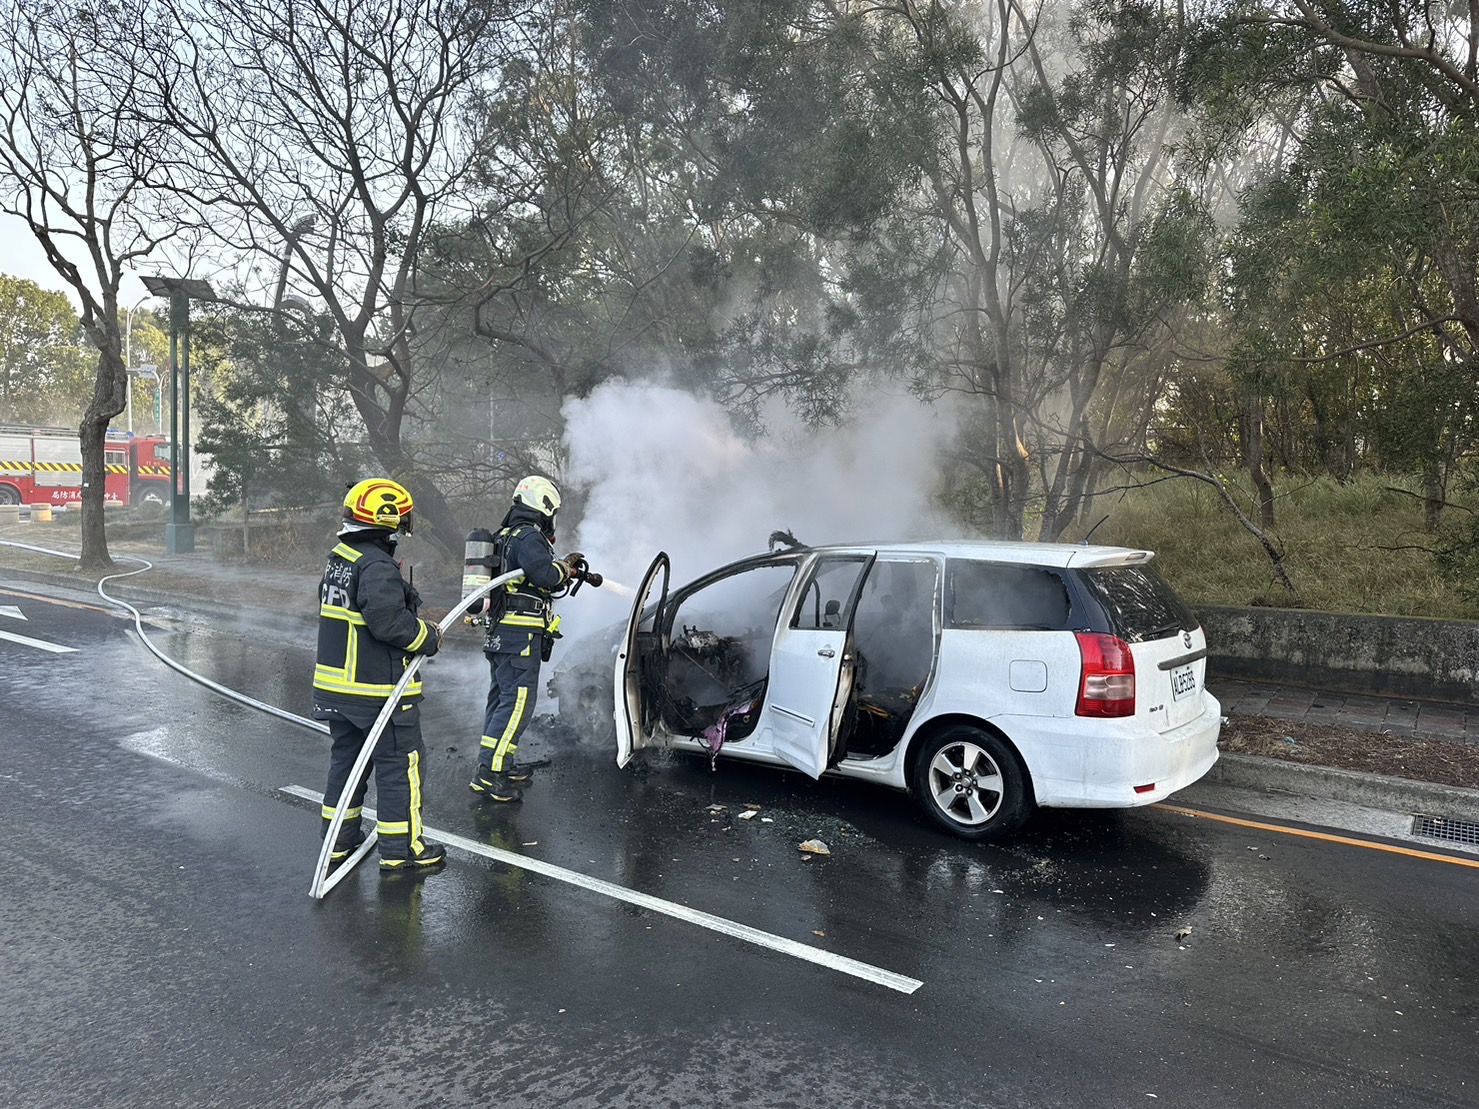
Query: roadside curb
{"points": [[1374, 791]]}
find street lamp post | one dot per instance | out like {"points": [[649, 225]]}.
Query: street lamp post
{"points": [[151, 371], [179, 533], [128, 356]]}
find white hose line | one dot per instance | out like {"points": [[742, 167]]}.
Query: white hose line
{"points": [[242, 698], [322, 882]]}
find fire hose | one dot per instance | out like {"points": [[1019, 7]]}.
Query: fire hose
{"points": [[581, 572], [322, 880]]}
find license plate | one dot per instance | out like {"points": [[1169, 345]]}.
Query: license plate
{"points": [[1183, 682]]}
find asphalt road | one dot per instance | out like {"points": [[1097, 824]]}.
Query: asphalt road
{"points": [[160, 947]]}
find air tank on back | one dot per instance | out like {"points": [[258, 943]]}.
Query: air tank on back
{"points": [[478, 568]]}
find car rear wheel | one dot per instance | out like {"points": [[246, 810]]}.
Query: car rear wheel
{"points": [[970, 782], [9, 494]]}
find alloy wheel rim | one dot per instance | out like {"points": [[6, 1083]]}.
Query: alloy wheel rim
{"points": [[966, 783]]}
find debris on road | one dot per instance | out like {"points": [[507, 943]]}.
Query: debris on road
{"points": [[815, 847]]}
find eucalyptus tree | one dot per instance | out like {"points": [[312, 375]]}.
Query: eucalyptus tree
{"points": [[685, 202], [325, 141], [975, 197], [75, 165], [1359, 254]]}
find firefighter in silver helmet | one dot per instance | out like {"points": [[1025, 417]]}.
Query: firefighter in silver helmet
{"points": [[521, 630], [367, 631]]}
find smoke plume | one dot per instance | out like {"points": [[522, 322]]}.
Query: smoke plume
{"points": [[663, 470]]}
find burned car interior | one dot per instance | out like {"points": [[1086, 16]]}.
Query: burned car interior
{"points": [[894, 640], [710, 682], [718, 659]]}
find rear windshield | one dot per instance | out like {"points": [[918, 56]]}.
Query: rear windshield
{"points": [[1139, 602], [1003, 595]]}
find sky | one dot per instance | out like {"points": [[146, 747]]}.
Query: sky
{"points": [[21, 256]]}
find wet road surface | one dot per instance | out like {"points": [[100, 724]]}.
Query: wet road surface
{"points": [[160, 947]]}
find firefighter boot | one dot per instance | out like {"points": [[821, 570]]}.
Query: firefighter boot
{"points": [[431, 856], [348, 839], [492, 786]]}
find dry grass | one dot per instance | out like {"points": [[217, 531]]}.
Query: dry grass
{"points": [[1349, 548]]}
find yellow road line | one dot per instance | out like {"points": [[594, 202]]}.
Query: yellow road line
{"points": [[55, 601], [1326, 836]]}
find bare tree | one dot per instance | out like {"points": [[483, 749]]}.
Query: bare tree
{"points": [[74, 165], [326, 141]]}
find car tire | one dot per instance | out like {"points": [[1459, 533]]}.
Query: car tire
{"points": [[971, 783], [147, 494], [9, 494], [592, 716]]}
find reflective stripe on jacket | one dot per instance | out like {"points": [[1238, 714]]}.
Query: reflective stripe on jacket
{"points": [[526, 609], [367, 627]]}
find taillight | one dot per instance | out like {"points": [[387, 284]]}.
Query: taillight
{"points": [[1107, 685]]}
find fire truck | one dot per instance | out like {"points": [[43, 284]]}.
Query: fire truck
{"points": [[43, 465]]}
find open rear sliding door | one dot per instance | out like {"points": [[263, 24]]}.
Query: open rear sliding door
{"points": [[812, 662]]}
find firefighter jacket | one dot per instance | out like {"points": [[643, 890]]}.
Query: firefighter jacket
{"points": [[527, 616], [367, 629]]}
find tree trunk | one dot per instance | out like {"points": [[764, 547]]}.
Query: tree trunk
{"points": [[109, 396], [1252, 421], [1434, 495]]}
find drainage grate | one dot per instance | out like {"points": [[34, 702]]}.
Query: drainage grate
{"points": [[1450, 831]]}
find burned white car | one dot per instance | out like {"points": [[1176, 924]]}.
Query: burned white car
{"points": [[985, 678]]}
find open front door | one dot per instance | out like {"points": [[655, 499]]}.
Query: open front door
{"points": [[632, 730], [812, 663]]}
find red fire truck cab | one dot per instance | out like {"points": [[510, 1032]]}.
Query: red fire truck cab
{"points": [[43, 465]]}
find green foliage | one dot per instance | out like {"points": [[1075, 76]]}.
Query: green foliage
{"points": [[46, 369], [267, 413]]}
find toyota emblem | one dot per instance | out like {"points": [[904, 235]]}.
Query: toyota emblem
{"points": [[1186, 638]]}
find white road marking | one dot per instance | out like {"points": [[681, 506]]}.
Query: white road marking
{"points": [[840, 963], [11, 610], [39, 644]]}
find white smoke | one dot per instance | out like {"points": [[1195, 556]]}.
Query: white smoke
{"points": [[662, 470]]}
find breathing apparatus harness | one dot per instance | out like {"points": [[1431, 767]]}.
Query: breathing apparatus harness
{"points": [[486, 556]]}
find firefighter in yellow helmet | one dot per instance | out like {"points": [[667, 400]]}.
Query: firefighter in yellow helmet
{"points": [[521, 628], [367, 631]]}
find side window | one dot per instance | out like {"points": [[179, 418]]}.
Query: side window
{"points": [[721, 636], [115, 458], [1005, 595], [746, 604], [827, 599]]}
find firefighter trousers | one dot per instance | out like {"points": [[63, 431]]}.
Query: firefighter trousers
{"points": [[512, 693], [396, 764]]}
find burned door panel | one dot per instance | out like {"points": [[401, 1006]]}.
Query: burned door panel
{"points": [[718, 658], [633, 713], [895, 634]]}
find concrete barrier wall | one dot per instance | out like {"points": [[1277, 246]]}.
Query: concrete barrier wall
{"points": [[1381, 655]]}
